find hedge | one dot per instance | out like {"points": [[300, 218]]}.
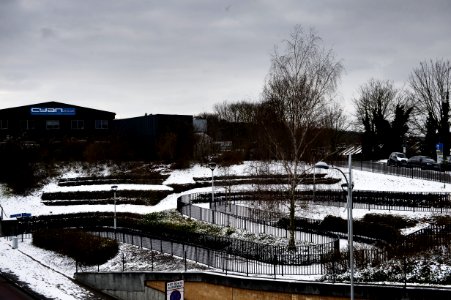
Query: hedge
{"points": [[139, 197], [83, 247], [92, 180]]}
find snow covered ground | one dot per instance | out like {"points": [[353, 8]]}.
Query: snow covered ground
{"points": [[51, 275]]}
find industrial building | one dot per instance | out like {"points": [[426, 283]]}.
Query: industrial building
{"points": [[66, 128], [54, 121]]}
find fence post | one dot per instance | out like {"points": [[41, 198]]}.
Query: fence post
{"points": [[227, 263], [208, 257], [247, 267], [275, 266], [186, 267]]}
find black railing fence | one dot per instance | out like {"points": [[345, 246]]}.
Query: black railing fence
{"points": [[242, 218], [307, 263], [431, 237], [381, 200], [305, 254], [377, 167], [318, 254]]}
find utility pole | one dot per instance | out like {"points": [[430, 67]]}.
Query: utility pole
{"points": [[444, 128]]}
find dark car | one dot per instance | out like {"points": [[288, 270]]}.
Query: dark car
{"points": [[423, 162], [397, 159]]}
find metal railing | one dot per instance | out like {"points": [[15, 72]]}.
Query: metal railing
{"points": [[417, 173]]}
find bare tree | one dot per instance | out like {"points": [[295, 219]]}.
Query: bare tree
{"points": [[335, 124], [430, 83], [381, 111], [302, 78], [377, 98], [236, 112]]}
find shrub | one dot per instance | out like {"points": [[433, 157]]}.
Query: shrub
{"points": [[397, 222], [378, 231], [442, 220], [85, 248], [334, 224]]}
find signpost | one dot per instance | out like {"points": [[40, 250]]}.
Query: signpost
{"points": [[439, 150], [174, 290]]}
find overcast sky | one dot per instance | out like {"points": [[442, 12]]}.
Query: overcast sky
{"points": [[181, 57]]}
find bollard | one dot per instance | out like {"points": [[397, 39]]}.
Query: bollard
{"points": [[15, 242]]}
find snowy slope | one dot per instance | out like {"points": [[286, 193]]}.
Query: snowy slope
{"points": [[50, 274]]}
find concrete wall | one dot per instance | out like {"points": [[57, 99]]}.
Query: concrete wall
{"points": [[140, 286]]}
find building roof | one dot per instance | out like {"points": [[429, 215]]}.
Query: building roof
{"points": [[53, 104]]}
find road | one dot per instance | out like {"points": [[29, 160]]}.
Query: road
{"points": [[9, 291]]}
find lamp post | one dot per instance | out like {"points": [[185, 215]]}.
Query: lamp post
{"points": [[349, 185], [212, 166], [114, 188]]}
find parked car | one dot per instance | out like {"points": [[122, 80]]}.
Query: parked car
{"points": [[423, 162], [397, 159]]}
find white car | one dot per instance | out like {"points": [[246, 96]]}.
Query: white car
{"points": [[397, 159]]}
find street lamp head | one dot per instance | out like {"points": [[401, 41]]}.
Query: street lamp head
{"points": [[322, 165], [212, 165], [114, 188]]}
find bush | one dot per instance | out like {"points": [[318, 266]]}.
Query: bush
{"points": [[19, 168], [86, 249], [334, 224], [397, 222], [363, 228]]}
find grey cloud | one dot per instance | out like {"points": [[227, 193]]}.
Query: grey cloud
{"points": [[185, 56]]}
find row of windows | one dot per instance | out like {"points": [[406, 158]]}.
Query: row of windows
{"points": [[55, 124]]}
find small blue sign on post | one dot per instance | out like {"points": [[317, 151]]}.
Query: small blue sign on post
{"points": [[439, 150], [21, 215]]}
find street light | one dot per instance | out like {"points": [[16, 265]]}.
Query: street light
{"points": [[212, 166], [114, 188], [349, 185]]}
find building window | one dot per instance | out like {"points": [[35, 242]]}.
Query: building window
{"points": [[78, 124], [52, 124], [3, 124], [101, 124], [27, 124]]}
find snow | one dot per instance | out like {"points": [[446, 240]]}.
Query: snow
{"points": [[53, 187], [51, 275]]}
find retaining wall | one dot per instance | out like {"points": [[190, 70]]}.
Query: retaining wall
{"points": [[198, 285]]}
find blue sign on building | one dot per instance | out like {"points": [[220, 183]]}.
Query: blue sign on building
{"points": [[52, 111], [21, 215]]}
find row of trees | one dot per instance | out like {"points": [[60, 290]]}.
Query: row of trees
{"points": [[415, 118], [388, 115]]}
